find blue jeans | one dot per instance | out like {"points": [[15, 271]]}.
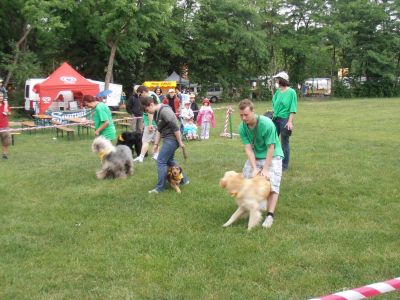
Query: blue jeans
{"points": [[166, 159], [280, 124]]}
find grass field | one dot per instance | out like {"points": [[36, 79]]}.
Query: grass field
{"points": [[66, 235]]}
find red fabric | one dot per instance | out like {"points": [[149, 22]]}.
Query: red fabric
{"points": [[4, 118], [65, 78]]}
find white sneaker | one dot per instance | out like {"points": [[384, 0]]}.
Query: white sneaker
{"points": [[154, 191], [268, 222], [138, 159], [155, 156]]}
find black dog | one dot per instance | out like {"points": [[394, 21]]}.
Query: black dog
{"points": [[131, 139]]}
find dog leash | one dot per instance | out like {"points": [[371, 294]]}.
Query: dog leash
{"points": [[185, 156]]}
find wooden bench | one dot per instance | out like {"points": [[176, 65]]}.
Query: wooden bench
{"points": [[28, 124], [13, 134], [67, 130]]}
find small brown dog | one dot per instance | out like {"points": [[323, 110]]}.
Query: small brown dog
{"points": [[249, 193], [174, 177]]}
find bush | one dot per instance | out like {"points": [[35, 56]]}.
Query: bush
{"points": [[341, 90]]}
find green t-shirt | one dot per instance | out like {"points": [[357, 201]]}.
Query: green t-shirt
{"points": [[145, 115], [102, 113], [283, 104], [266, 135]]}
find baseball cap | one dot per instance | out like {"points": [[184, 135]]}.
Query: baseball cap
{"points": [[171, 91], [282, 75]]}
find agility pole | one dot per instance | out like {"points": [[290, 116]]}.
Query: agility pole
{"points": [[228, 121], [366, 291]]}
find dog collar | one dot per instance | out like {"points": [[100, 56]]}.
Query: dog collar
{"points": [[102, 153], [180, 177]]}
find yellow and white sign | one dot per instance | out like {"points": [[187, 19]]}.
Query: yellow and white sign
{"points": [[164, 85]]}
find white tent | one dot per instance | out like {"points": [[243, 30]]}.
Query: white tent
{"points": [[175, 77]]}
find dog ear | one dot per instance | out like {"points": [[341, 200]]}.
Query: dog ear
{"points": [[120, 138], [222, 183], [180, 169]]}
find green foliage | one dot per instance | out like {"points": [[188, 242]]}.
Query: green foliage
{"points": [[66, 235], [226, 42], [341, 90]]}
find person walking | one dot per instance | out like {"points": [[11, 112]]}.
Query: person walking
{"points": [[102, 117], [264, 152], [150, 128], [167, 130], [284, 106]]}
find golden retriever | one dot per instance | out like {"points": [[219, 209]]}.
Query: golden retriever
{"points": [[249, 193]]}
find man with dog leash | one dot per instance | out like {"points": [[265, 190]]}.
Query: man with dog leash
{"points": [[263, 150], [169, 131]]}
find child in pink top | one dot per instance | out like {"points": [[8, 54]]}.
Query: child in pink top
{"points": [[205, 118]]}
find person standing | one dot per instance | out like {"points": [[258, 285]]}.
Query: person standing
{"points": [[134, 108], [263, 151], [168, 131], [284, 106], [193, 106], [5, 136], [5, 95], [206, 119], [102, 117], [173, 101], [158, 91]]}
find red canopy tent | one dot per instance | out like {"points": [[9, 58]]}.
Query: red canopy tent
{"points": [[65, 78]]}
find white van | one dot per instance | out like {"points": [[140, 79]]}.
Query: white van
{"points": [[32, 98], [113, 99], [214, 93]]}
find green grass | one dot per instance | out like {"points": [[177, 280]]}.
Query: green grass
{"points": [[66, 235]]}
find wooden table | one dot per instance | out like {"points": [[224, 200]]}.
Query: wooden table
{"points": [[42, 119]]}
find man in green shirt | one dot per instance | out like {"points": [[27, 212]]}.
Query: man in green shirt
{"points": [[263, 150]]}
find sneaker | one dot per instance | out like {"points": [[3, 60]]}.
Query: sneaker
{"points": [[154, 191], [5, 156], [186, 183], [138, 159], [268, 222], [155, 156]]}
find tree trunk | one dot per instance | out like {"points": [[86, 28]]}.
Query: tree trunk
{"points": [[25, 31], [110, 65]]}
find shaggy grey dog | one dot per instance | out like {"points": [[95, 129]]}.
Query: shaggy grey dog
{"points": [[116, 161]]}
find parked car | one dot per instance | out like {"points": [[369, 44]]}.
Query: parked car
{"points": [[214, 93]]}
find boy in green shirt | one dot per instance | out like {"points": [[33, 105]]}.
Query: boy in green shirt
{"points": [[263, 150], [102, 118]]}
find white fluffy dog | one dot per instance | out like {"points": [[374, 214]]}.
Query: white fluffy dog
{"points": [[249, 194], [116, 161]]}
